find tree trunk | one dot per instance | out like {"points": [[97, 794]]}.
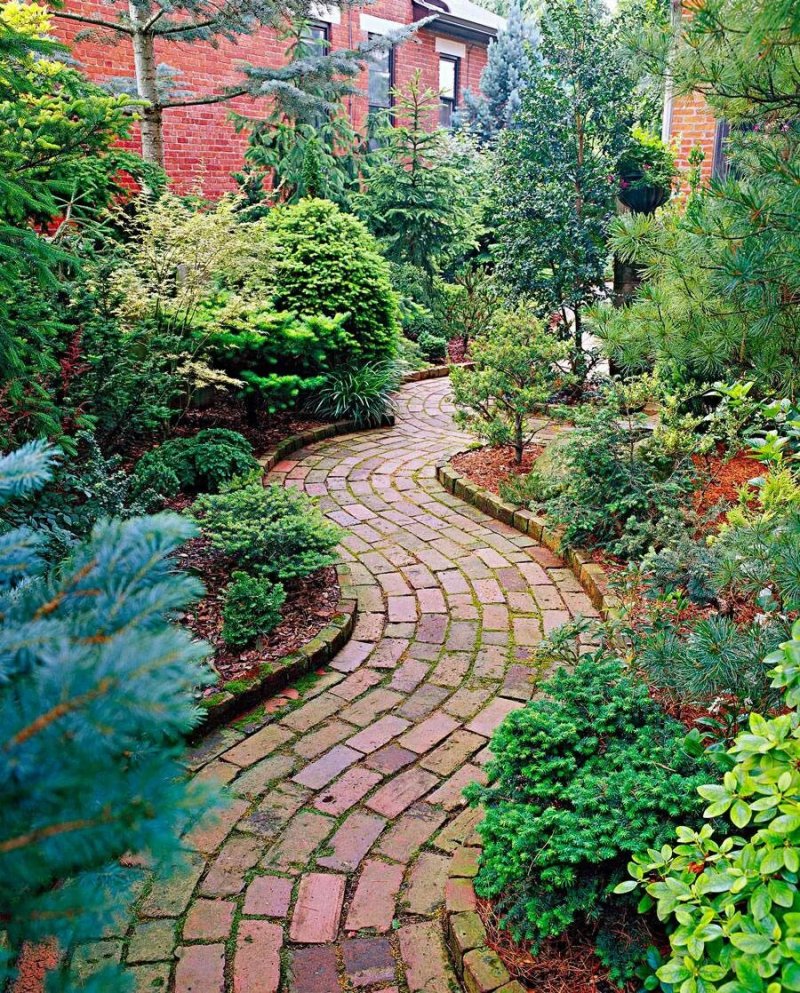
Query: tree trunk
{"points": [[578, 358], [518, 439], [144, 60]]}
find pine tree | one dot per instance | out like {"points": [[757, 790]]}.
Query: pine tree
{"points": [[148, 23], [96, 693], [503, 80]]}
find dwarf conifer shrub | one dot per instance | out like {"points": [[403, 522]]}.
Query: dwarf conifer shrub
{"points": [[271, 531], [327, 263], [252, 608], [579, 781]]}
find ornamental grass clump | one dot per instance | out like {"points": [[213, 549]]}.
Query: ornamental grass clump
{"points": [[579, 781]]}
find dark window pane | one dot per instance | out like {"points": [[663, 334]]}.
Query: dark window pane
{"points": [[446, 113], [381, 78]]}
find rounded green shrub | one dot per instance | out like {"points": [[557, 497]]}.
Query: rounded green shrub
{"points": [[327, 263], [273, 531], [580, 781], [252, 608], [201, 463]]}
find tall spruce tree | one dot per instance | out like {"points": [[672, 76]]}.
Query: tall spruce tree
{"points": [[420, 196], [555, 185], [503, 80], [152, 25], [96, 693]]}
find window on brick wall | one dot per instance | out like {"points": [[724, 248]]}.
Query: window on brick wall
{"points": [[722, 166], [319, 33], [381, 80], [449, 67]]}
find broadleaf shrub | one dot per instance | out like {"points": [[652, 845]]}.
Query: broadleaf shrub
{"points": [[579, 781], [252, 608], [729, 893], [272, 531]]}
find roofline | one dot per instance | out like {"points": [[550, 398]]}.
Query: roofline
{"points": [[457, 27]]}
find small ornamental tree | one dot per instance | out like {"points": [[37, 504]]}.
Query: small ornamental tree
{"points": [[307, 148], [96, 694], [729, 893], [555, 189], [503, 80], [515, 373]]}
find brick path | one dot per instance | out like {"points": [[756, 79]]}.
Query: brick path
{"points": [[327, 872]]}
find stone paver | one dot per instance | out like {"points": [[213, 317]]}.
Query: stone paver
{"points": [[346, 797]]}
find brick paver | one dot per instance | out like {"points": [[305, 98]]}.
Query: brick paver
{"points": [[326, 871]]}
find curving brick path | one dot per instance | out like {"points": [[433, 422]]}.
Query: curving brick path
{"points": [[328, 871]]}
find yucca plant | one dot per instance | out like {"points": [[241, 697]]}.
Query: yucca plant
{"points": [[360, 394]]}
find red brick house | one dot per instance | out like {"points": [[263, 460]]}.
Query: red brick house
{"points": [[201, 145]]}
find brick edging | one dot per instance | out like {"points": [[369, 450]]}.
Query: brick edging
{"points": [[590, 575], [435, 372], [479, 967]]}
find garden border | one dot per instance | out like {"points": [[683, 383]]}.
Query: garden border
{"points": [[590, 574]]}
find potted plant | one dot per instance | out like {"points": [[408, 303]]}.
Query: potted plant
{"points": [[646, 172]]}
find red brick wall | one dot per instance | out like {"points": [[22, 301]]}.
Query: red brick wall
{"points": [[202, 148], [692, 123]]}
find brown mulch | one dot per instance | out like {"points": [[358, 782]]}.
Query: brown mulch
{"points": [[228, 411], [564, 965], [310, 604], [490, 466], [723, 479]]}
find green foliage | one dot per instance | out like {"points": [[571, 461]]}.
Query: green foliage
{"points": [[362, 394], [722, 297], [715, 659], [728, 893], [515, 373], [647, 161], [581, 778], [86, 488], [274, 532], [252, 608], [96, 691], [200, 463], [611, 488], [555, 193], [326, 263], [422, 190], [277, 355]]}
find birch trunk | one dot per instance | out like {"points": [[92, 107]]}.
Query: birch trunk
{"points": [[144, 58]]}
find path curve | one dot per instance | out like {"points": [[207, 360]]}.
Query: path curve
{"points": [[328, 870]]}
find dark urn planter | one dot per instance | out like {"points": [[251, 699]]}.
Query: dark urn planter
{"points": [[642, 199]]}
